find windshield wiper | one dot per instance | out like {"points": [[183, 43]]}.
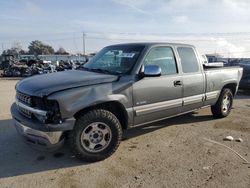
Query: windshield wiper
{"points": [[101, 70], [105, 71], [108, 71], [85, 68]]}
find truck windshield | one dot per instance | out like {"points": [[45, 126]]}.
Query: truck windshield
{"points": [[115, 59]]}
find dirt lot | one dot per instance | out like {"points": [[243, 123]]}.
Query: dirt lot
{"points": [[171, 153]]}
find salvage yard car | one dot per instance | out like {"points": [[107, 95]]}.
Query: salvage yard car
{"points": [[122, 86], [245, 81]]}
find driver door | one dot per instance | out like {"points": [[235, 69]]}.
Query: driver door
{"points": [[156, 98]]}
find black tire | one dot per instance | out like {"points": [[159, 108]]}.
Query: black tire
{"points": [[218, 109], [80, 148]]}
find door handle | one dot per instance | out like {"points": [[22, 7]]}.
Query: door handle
{"points": [[177, 83]]}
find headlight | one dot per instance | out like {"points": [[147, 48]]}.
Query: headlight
{"points": [[51, 106], [54, 115]]}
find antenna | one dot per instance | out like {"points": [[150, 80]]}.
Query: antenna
{"points": [[83, 42]]}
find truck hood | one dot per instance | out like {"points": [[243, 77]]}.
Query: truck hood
{"points": [[44, 85]]}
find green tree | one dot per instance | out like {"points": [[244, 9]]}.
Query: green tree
{"points": [[36, 47], [61, 51]]}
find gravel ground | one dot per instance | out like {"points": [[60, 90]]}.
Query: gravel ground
{"points": [[170, 153]]}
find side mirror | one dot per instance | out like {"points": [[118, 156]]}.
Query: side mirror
{"points": [[151, 71]]}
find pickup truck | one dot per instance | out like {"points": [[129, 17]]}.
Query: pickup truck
{"points": [[122, 86]]}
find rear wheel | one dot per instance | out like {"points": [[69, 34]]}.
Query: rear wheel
{"points": [[224, 104], [96, 135]]}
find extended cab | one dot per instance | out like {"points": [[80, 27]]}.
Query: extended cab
{"points": [[123, 86]]}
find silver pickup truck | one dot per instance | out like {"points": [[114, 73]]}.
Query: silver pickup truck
{"points": [[123, 86]]}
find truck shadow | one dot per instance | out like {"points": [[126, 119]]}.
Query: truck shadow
{"points": [[17, 158], [180, 120]]}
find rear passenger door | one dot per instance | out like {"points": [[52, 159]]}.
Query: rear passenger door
{"points": [[158, 97], [193, 78]]}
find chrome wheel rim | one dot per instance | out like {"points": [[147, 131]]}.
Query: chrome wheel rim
{"points": [[96, 137], [226, 103]]}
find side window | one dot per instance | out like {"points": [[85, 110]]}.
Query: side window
{"points": [[189, 61], [164, 58]]}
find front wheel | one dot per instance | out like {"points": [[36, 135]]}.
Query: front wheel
{"points": [[224, 104], [96, 135]]}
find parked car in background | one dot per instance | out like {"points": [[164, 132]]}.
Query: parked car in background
{"points": [[245, 81]]}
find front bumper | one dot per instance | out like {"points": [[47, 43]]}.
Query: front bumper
{"points": [[49, 140], [42, 136]]}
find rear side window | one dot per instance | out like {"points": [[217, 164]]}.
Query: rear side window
{"points": [[164, 58], [188, 59]]}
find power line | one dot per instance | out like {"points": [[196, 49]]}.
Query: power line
{"points": [[165, 39], [234, 52], [128, 36], [142, 37], [163, 34]]}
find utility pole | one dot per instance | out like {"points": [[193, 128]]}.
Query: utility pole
{"points": [[2, 48], [83, 42]]}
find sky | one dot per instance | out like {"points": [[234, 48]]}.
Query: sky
{"points": [[213, 26]]}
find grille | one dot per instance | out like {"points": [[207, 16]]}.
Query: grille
{"points": [[26, 99]]}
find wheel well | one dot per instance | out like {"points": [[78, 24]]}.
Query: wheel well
{"points": [[232, 87], [114, 107]]}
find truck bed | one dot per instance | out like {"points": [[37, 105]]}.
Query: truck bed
{"points": [[220, 76]]}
